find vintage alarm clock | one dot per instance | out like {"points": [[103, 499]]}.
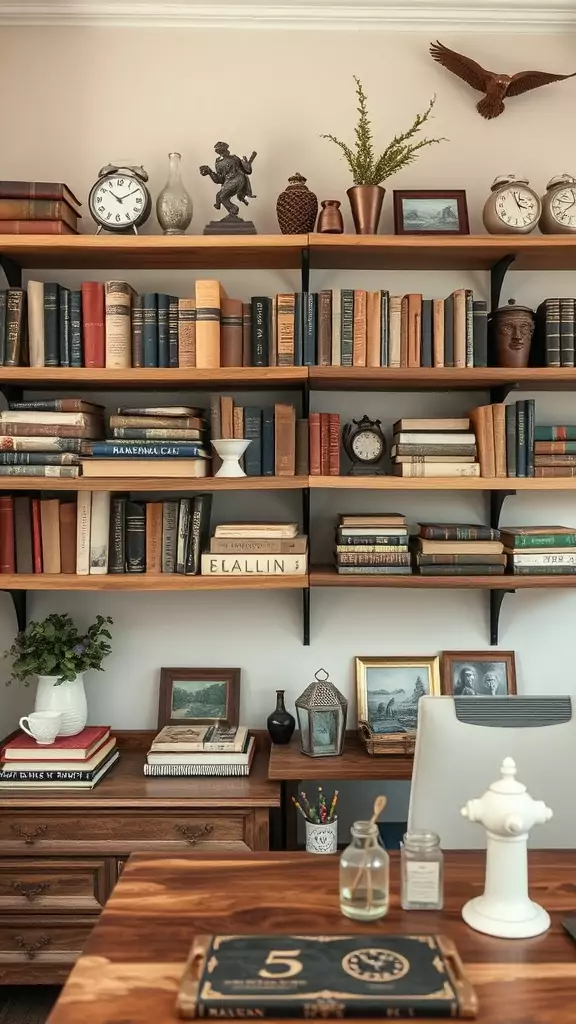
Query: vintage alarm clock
{"points": [[558, 215], [119, 200], [513, 208], [365, 446]]}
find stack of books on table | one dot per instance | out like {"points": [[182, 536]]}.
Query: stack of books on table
{"points": [[374, 545], [45, 438], [71, 762], [201, 750], [434, 448], [167, 441], [38, 208], [250, 549], [540, 550], [458, 549], [555, 451]]}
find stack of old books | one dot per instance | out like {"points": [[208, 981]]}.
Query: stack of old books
{"points": [[540, 550], [458, 549], [555, 451], [166, 441], [373, 545], [250, 549], [71, 762], [434, 448], [201, 750], [44, 438], [38, 208]]}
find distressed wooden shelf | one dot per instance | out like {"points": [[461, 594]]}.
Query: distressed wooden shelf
{"points": [[326, 576], [453, 483], [143, 378], [149, 581], [137, 485]]}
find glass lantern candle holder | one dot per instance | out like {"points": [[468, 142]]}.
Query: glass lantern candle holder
{"points": [[322, 711]]}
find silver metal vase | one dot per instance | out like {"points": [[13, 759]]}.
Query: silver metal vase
{"points": [[174, 206]]}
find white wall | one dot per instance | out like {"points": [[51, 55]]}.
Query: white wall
{"points": [[74, 99]]}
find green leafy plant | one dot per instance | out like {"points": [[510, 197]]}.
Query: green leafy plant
{"points": [[366, 168], [55, 647]]}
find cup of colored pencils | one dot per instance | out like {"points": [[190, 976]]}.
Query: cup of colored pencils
{"points": [[321, 820]]}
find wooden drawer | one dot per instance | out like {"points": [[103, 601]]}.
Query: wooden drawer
{"points": [[98, 832], [40, 943], [52, 886]]}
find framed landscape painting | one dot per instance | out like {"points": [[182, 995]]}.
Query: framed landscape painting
{"points": [[430, 212], [199, 696], [388, 691]]}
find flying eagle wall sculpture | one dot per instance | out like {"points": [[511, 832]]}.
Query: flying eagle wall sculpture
{"points": [[496, 87]]}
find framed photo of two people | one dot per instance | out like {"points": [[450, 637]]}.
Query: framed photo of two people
{"points": [[478, 673]]}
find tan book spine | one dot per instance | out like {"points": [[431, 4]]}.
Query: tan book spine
{"points": [[294, 546], [137, 468], [231, 354], [99, 533], [499, 427], [441, 469], [395, 330], [302, 449], [187, 332], [36, 322], [50, 522], [83, 517], [460, 327], [154, 512], [373, 316], [90, 431], [284, 440], [273, 347], [359, 336], [117, 306], [209, 295], [68, 537], [404, 332], [414, 329], [324, 328], [227, 417], [285, 309], [246, 334], [438, 331], [238, 422], [156, 422], [482, 423], [255, 565]]}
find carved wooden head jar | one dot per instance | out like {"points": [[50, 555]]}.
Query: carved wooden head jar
{"points": [[512, 328]]}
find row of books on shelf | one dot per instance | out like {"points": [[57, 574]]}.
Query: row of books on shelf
{"points": [[70, 762], [205, 750]]}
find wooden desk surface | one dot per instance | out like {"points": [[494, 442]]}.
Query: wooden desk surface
{"points": [[288, 762], [135, 956]]}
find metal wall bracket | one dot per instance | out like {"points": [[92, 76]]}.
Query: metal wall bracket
{"points": [[497, 275], [500, 394], [497, 499], [19, 601], [12, 272], [496, 598], [306, 617]]}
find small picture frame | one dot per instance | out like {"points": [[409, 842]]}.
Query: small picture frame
{"points": [[199, 696], [478, 673], [388, 691], [430, 212]]}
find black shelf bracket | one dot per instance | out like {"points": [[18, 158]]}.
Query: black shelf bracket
{"points": [[305, 270], [19, 602], [500, 394], [497, 499], [306, 500], [497, 275], [12, 272], [496, 598], [306, 617]]}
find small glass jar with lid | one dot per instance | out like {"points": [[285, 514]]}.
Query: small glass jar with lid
{"points": [[422, 866], [364, 874]]}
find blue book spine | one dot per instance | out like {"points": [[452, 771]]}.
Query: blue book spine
{"points": [[529, 413], [64, 325], [253, 432], [173, 331], [163, 340], [51, 341], [268, 457], [298, 328], [165, 450], [309, 328], [150, 328], [384, 328], [521, 455], [75, 328]]}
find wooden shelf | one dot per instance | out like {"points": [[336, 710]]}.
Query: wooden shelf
{"points": [[149, 582], [359, 378], [137, 485], [473, 252], [326, 576], [154, 252], [456, 483], [42, 377], [289, 763]]}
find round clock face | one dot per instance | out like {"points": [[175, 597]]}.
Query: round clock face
{"points": [[118, 202], [563, 206], [516, 206], [367, 446]]}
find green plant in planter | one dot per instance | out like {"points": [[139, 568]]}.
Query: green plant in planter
{"points": [[366, 168], [55, 647]]}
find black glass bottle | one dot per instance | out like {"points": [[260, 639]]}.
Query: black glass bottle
{"points": [[281, 723]]}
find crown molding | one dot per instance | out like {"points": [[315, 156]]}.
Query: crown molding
{"points": [[416, 15]]}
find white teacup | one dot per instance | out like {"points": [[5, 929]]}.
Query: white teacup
{"points": [[42, 726]]}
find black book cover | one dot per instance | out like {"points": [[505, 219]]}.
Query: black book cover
{"points": [[137, 341], [150, 328], [183, 534], [253, 431], [117, 543], [261, 322], [298, 328], [426, 343], [449, 331], [199, 532], [2, 327], [135, 536], [347, 326], [309, 328], [76, 327], [268, 452], [521, 459], [384, 328], [173, 331], [529, 414], [64, 325], [51, 339], [163, 343], [480, 332]]}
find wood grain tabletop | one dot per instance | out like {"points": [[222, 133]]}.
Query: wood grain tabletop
{"points": [[134, 958]]}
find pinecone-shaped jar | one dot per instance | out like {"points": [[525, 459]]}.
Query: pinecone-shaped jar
{"points": [[296, 207]]}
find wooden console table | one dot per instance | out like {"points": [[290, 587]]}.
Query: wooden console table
{"points": [[61, 852], [136, 954]]}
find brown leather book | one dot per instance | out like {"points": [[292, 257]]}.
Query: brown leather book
{"points": [[285, 329], [187, 332], [334, 444], [552, 447], [460, 327], [154, 512], [325, 328], [246, 334], [373, 333], [325, 444], [37, 209], [314, 433], [227, 417], [50, 525], [93, 332], [92, 430], [7, 542], [39, 190], [404, 331], [554, 471], [37, 227], [284, 440], [302, 448], [414, 328], [438, 332], [68, 537], [23, 531], [231, 353], [499, 425], [359, 335], [483, 426]]}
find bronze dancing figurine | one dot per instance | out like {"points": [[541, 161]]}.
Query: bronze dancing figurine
{"points": [[232, 173]]}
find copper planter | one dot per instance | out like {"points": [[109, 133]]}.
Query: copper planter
{"points": [[366, 203]]}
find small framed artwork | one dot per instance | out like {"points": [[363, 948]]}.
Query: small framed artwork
{"points": [[430, 212], [478, 673], [199, 696], [388, 691]]}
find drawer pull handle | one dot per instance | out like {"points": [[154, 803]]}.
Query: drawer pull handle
{"points": [[29, 837], [30, 892], [34, 947], [190, 836]]}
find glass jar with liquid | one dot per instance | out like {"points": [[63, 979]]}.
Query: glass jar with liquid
{"points": [[422, 867], [364, 874]]}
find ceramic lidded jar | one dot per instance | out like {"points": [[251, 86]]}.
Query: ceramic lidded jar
{"points": [[330, 221], [296, 207], [512, 329]]}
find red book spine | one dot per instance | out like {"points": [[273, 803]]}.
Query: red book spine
{"points": [[36, 536], [93, 324], [37, 227], [314, 431], [334, 444], [324, 444], [7, 545]]}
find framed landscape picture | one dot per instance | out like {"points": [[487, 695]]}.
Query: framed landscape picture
{"points": [[478, 673], [388, 691], [199, 696], [430, 212]]}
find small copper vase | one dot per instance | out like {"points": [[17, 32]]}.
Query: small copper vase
{"points": [[296, 207], [330, 221], [512, 328], [366, 203]]}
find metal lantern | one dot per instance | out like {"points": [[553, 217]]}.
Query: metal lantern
{"points": [[321, 711]]}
